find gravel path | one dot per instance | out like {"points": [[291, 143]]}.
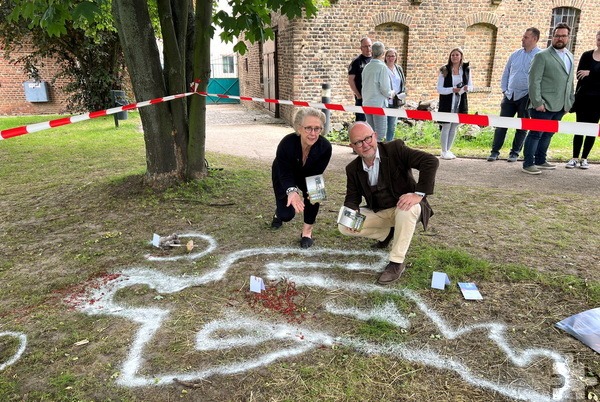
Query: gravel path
{"points": [[234, 130]]}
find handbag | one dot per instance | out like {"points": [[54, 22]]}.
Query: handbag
{"points": [[396, 101]]}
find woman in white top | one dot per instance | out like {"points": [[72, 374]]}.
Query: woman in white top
{"points": [[454, 81], [397, 81]]}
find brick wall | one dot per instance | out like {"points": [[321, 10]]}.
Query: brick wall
{"points": [[312, 52], [12, 94]]}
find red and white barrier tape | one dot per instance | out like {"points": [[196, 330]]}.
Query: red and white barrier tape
{"points": [[553, 126], [32, 128]]}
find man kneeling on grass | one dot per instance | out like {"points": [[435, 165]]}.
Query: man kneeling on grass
{"points": [[382, 174]]}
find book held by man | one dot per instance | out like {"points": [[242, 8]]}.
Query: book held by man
{"points": [[316, 188], [350, 218]]}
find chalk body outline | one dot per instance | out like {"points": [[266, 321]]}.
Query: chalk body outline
{"points": [[22, 346], [151, 319]]}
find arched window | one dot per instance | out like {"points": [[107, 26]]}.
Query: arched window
{"points": [[394, 35], [569, 16], [480, 48]]}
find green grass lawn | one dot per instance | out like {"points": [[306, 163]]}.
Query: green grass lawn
{"points": [[74, 211]]}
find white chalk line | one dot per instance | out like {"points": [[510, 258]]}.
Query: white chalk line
{"points": [[388, 312], [22, 338], [151, 319]]}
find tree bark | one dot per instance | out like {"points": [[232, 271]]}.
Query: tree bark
{"points": [[173, 15], [201, 71], [138, 40]]}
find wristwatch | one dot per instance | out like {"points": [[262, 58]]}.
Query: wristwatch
{"points": [[291, 190], [420, 193]]}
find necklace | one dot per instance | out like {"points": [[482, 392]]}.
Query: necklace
{"points": [[305, 152]]}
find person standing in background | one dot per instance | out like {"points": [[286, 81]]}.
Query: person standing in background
{"points": [[514, 84], [454, 81], [377, 89], [398, 84], [587, 103], [355, 74], [551, 79]]}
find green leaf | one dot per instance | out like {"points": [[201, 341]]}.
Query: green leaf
{"points": [[86, 10]]}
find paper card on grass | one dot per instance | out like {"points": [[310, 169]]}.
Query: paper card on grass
{"points": [[439, 280], [156, 240], [256, 284], [584, 326], [470, 291]]}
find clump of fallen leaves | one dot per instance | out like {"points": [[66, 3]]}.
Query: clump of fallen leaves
{"points": [[281, 297]]}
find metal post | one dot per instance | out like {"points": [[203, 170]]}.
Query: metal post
{"points": [[326, 98]]}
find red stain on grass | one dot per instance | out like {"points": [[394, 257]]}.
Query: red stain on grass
{"points": [[281, 297], [79, 295]]}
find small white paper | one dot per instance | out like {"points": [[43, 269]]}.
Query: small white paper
{"points": [[256, 284], [156, 240], [470, 291], [439, 280]]}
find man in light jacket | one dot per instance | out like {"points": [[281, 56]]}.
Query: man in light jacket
{"points": [[377, 89]]}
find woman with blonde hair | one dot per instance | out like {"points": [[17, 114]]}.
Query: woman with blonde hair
{"points": [[397, 81], [299, 155]]}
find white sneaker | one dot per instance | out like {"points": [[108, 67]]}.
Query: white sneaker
{"points": [[445, 155], [583, 164], [450, 155], [571, 164]]}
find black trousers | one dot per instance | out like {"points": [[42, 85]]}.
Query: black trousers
{"points": [[286, 213]]}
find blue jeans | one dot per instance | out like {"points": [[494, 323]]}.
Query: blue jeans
{"points": [[537, 142], [508, 108], [359, 116], [379, 125]]}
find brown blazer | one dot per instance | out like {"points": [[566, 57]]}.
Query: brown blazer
{"points": [[395, 170]]}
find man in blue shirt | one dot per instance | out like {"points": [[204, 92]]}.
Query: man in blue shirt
{"points": [[514, 86]]}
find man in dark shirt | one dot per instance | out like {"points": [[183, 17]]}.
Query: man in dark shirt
{"points": [[382, 175], [355, 72]]}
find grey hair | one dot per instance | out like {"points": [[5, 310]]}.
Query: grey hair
{"points": [[304, 112], [378, 49]]}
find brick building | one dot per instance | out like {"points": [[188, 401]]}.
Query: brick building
{"points": [[308, 53], [12, 92]]}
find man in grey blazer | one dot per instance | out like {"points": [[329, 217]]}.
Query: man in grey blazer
{"points": [[550, 96]]}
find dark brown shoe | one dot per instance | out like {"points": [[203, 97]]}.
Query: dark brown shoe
{"points": [[385, 242], [391, 273]]}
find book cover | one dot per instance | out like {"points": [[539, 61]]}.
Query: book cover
{"points": [[350, 218], [316, 188], [470, 291]]}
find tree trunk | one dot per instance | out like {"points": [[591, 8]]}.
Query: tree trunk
{"points": [[201, 70], [138, 40], [173, 16]]}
